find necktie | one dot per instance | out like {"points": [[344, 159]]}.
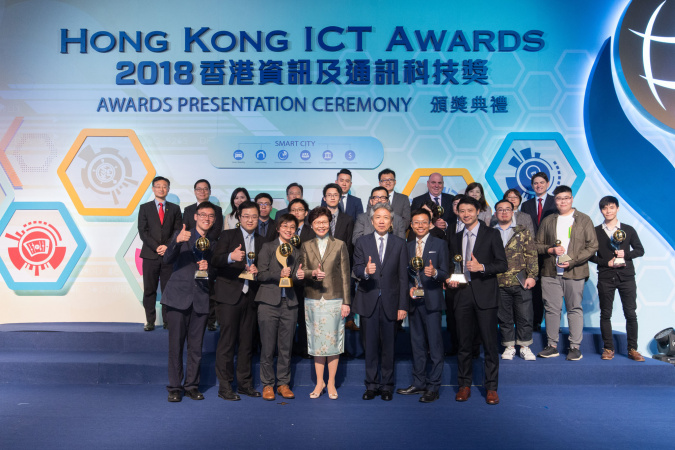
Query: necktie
{"points": [[249, 245], [332, 225], [420, 248], [380, 250], [262, 229], [539, 209], [343, 203], [436, 200], [467, 255], [161, 214]]}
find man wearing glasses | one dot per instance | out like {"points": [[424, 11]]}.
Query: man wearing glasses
{"points": [[567, 239], [267, 229], [348, 204], [203, 194], [365, 226], [400, 203]]}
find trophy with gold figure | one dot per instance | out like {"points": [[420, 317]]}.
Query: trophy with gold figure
{"points": [[201, 246], [561, 259], [617, 239], [416, 263], [283, 252], [250, 259], [458, 274], [295, 241]]}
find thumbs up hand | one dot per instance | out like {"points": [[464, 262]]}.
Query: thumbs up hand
{"points": [[318, 273], [300, 274], [237, 254], [473, 265], [183, 236], [429, 270], [370, 267]]}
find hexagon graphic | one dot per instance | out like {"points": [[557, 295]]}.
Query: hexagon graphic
{"points": [[128, 257], [39, 246], [456, 180], [521, 155], [106, 172], [6, 192]]}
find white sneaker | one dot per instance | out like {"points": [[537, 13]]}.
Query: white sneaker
{"points": [[527, 354], [509, 353]]}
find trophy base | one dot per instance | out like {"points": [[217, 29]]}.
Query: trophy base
{"points": [[418, 292], [619, 262], [285, 283], [562, 259], [459, 277], [201, 275], [247, 276]]}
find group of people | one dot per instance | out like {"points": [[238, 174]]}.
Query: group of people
{"points": [[295, 282]]}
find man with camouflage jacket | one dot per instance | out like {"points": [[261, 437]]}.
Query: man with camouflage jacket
{"points": [[515, 306]]}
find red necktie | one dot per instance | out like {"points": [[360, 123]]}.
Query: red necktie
{"points": [[539, 213], [161, 214]]}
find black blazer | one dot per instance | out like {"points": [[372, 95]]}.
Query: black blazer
{"points": [[632, 248], [182, 289], [271, 231], [530, 207], [189, 221], [228, 284], [354, 206], [435, 250], [446, 203], [489, 251], [344, 229], [269, 274], [152, 232]]}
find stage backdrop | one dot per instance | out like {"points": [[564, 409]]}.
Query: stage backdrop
{"points": [[96, 98]]}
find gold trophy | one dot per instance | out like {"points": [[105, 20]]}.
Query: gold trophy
{"points": [[417, 263], [201, 246], [438, 211], [295, 241], [458, 275], [561, 259], [283, 252], [617, 239], [250, 258]]}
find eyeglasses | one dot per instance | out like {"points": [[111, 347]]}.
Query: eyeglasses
{"points": [[383, 197], [387, 180], [298, 210], [332, 195], [202, 189], [264, 204], [564, 199], [504, 210], [249, 217], [290, 227], [207, 216]]}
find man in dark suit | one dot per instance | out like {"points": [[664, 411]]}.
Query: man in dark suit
{"points": [[186, 299], [349, 204], [342, 225], [538, 208], [158, 220], [380, 263], [613, 275], [277, 310], [399, 202], [267, 229], [435, 193], [202, 194], [235, 307], [364, 224], [426, 311], [476, 302], [293, 191]]}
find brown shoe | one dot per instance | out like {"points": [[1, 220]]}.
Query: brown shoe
{"points": [[635, 355], [350, 325], [492, 398], [285, 391], [268, 393], [463, 394], [607, 354]]}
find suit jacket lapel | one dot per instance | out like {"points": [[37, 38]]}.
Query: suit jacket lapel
{"points": [[387, 251], [331, 246], [313, 247]]}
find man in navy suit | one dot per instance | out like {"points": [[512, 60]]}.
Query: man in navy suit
{"points": [[399, 202], [380, 263], [539, 207], [267, 229], [202, 194], [426, 311], [349, 204], [158, 220], [186, 299], [476, 302], [293, 191], [435, 193]]}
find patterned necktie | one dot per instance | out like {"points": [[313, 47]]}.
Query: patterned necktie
{"points": [[469, 251], [539, 209], [436, 200], [249, 246], [380, 250], [161, 214], [420, 248]]}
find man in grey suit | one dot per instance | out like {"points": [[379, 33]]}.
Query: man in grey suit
{"points": [[277, 310], [364, 225], [399, 202]]}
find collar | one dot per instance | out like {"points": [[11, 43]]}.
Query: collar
{"points": [[606, 228], [157, 202], [246, 233], [474, 231], [424, 239]]}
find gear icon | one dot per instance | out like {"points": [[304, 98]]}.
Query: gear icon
{"points": [[106, 172], [526, 165]]}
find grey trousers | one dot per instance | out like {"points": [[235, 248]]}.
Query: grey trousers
{"points": [[277, 328], [553, 292]]}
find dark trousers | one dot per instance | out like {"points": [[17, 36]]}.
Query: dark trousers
{"points": [[426, 337], [515, 309], [212, 297], [537, 301], [450, 320], [277, 324], [185, 324], [469, 317], [237, 323], [155, 272], [607, 287], [379, 335]]}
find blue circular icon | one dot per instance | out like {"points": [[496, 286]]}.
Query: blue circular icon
{"points": [[283, 155], [238, 155], [305, 155], [260, 155], [327, 155], [350, 155]]}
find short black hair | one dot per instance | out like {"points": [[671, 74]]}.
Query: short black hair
{"points": [[288, 188], [504, 201], [420, 211], [205, 205], [318, 212], [156, 179], [378, 188], [608, 200], [247, 205], [561, 189], [385, 172], [202, 181], [344, 172], [332, 186], [539, 175], [468, 200], [264, 195], [286, 218], [298, 200]]}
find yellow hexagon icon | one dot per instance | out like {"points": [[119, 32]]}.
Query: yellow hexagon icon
{"points": [[106, 172], [456, 181]]}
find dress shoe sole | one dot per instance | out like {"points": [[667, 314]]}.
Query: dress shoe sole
{"points": [[252, 394], [235, 398], [405, 392]]}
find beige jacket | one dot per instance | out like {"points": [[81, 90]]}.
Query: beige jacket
{"points": [[335, 263]]}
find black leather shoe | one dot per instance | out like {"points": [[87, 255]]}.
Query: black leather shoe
{"points": [[212, 327], [369, 395], [387, 396], [228, 395], [165, 326], [194, 394], [429, 396], [250, 392], [175, 396], [149, 327], [410, 390]]}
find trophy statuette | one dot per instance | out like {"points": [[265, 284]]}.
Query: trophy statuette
{"points": [[617, 239], [201, 246], [416, 263], [561, 259], [283, 252], [295, 241], [250, 258], [458, 275]]}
